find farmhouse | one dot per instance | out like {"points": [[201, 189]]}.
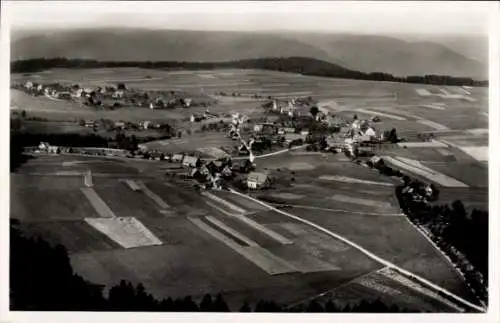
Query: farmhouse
{"points": [[28, 85], [118, 94], [89, 124], [187, 102], [190, 161], [257, 180], [177, 158], [120, 125], [78, 93]]}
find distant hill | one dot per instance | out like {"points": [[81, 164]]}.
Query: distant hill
{"points": [[356, 52]]}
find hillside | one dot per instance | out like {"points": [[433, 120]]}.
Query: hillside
{"points": [[297, 65], [361, 53]]}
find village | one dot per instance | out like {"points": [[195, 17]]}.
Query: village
{"points": [[205, 160], [298, 123]]}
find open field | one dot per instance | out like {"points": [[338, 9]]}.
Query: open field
{"points": [[192, 244], [394, 239], [345, 93], [188, 261]]}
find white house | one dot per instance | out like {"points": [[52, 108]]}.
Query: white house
{"points": [[28, 85], [190, 161], [78, 93], [187, 102], [258, 127], [118, 94], [370, 132], [256, 180], [120, 125]]}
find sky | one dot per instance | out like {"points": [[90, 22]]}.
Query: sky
{"points": [[364, 17]]}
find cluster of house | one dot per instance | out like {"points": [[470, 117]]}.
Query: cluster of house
{"points": [[289, 134], [92, 94], [75, 91], [121, 125], [211, 173]]}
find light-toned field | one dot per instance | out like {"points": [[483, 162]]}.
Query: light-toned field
{"points": [[418, 168], [344, 179], [425, 144], [127, 232]]}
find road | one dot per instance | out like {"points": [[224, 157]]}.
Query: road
{"points": [[371, 255]]}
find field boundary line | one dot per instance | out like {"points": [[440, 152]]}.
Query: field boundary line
{"points": [[259, 256], [98, 203], [232, 231], [230, 205], [253, 224], [158, 200], [368, 253], [401, 279], [335, 210], [349, 281]]}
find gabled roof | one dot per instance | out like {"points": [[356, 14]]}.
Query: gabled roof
{"points": [[190, 160], [177, 157], [257, 177]]}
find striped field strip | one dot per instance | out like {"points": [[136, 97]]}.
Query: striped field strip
{"points": [[99, 205], [231, 231], [158, 200], [255, 254]]}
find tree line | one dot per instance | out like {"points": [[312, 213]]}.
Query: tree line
{"points": [[120, 141], [461, 234], [42, 279], [301, 65]]}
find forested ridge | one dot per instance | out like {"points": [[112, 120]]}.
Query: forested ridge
{"points": [[301, 65]]}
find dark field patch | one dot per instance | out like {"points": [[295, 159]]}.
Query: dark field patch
{"points": [[75, 236]]}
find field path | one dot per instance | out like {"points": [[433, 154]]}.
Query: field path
{"points": [[371, 255], [310, 207]]}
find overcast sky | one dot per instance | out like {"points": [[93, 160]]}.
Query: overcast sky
{"points": [[336, 16]]}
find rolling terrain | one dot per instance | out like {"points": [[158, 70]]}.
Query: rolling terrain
{"points": [[136, 224], [356, 52]]}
